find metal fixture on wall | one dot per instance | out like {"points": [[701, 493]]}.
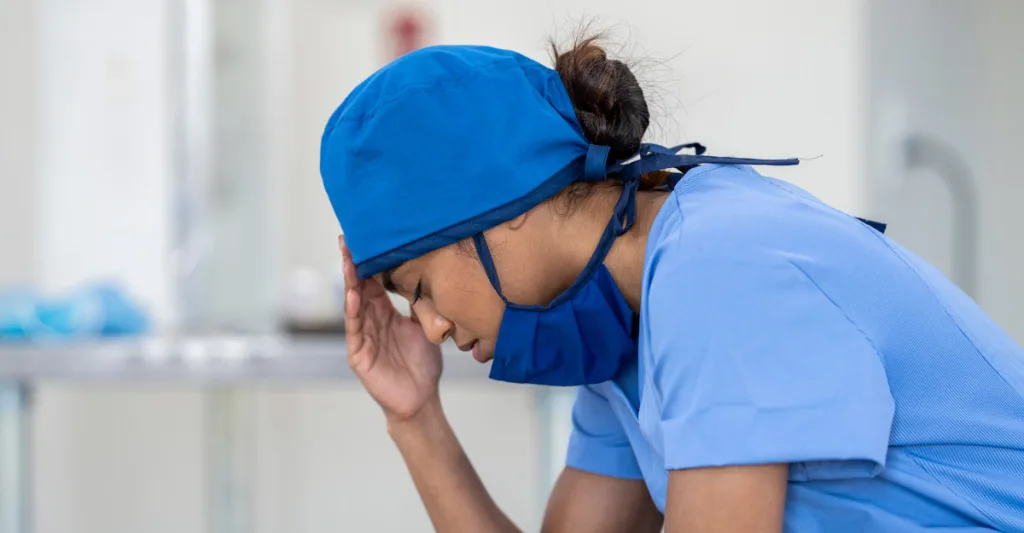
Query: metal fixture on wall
{"points": [[189, 49], [15, 458], [929, 153]]}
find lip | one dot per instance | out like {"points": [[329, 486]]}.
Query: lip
{"points": [[480, 358], [475, 348]]}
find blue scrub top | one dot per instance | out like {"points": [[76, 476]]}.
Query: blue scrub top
{"points": [[775, 329]]}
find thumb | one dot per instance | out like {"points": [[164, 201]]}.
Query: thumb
{"points": [[360, 362]]}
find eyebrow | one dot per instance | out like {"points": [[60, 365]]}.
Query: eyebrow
{"points": [[389, 284]]}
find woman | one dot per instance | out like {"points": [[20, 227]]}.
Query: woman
{"points": [[747, 358]]}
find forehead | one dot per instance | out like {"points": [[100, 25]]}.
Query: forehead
{"points": [[397, 278], [393, 279]]}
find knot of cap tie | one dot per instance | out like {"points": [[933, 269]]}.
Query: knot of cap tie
{"points": [[651, 157]]}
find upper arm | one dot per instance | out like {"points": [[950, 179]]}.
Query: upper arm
{"points": [[754, 364], [584, 502], [726, 499], [602, 488], [598, 444], [757, 377]]}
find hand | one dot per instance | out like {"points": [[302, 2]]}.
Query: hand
{"points": [[389, 352]]}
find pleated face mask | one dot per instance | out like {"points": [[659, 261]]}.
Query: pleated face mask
{"points": [[449, 141]]}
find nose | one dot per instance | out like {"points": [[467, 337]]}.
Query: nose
{"points": [[437, 328]]}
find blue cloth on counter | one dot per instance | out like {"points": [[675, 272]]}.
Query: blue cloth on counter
{"points": [[93, 311], [775, 329]]}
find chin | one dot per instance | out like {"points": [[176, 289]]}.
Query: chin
{"points": [[483, 354]]}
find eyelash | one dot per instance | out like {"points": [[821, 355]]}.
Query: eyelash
{"points": [[419, 292]]}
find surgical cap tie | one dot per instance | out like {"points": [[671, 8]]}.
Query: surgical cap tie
{"points": [[652, 157]]}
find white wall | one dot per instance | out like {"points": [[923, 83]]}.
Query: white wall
{"points": [[769, 79], [17, 129]]}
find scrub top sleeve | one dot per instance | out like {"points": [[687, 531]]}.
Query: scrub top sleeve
{"points": [[598, 443], [753, 364]]}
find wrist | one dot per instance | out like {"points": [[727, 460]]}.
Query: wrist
{"points": [[421, 423]]}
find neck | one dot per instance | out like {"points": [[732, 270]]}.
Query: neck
{"points": [[625, 261], [573, 240]]}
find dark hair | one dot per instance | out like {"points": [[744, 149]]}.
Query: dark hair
{"points": [[608, 100]]}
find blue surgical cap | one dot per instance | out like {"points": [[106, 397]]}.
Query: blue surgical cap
{"points": [[444, 143]]}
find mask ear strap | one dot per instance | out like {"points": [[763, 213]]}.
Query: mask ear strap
{"points": [[488, 262], [625, 208]]}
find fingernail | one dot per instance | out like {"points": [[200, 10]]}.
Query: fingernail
{"points": [[349, 304]]}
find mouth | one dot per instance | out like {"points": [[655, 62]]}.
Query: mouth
{"points": [[475, 348]]}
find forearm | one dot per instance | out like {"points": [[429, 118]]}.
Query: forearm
{"points": [[453, 494]]}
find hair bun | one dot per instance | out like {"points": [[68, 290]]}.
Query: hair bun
{"points": [[606, 96]]}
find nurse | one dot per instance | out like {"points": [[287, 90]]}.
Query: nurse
{"points": [[746, 358]]}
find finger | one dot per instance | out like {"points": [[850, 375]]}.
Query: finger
{"points": [[345, 254], [351, 278], [353, 322], [362, 361], [372, 289], [349, 267]]}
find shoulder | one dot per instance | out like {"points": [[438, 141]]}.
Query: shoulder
{"points": [[714, 201], [738, 292], [718, 216], [728, 218], [728, 271]]}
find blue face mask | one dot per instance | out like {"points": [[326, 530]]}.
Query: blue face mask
{"points": [[585, 335]]}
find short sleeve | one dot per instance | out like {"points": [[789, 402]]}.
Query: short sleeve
{"points": [[753, 364], [598, 443]]}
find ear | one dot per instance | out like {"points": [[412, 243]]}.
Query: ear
{"points": [[517, 222]]}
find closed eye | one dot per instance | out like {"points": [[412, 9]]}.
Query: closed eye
{"points": [[419, 292]]}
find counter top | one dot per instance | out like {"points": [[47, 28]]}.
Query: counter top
{"points": [[199, 359]]}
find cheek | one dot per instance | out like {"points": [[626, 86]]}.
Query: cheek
{"points": [[465, 296], [528, 274]]}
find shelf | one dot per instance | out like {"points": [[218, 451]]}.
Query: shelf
{"points": [[199, 359]]}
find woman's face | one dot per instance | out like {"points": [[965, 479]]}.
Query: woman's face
{"points": [[453, 299]]}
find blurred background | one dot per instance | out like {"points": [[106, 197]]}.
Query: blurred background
{"points": [[170, 358]]}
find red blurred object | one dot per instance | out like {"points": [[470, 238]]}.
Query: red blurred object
{"points": [[407, 31]]}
